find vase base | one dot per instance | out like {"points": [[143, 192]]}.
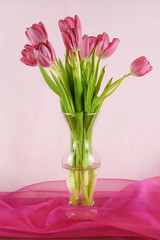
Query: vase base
{"points": [[81, 212], [80, 205]]}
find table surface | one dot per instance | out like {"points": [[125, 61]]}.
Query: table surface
{"points": [[54, 196], [92, 238]]}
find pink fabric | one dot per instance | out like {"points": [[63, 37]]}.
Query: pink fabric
{"points": [[123, 208]]}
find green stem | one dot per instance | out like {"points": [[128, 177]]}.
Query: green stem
{"points": [[84, 186], [78, 88], [91, 186], [57, 69], [78, 64], [82, 175]]}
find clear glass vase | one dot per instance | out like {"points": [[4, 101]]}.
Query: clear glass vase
{"points": [[81, 162]]}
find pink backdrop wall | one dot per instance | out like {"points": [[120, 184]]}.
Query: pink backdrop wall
{"points": [[32, 130]]}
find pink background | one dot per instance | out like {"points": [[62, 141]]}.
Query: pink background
{"points": [[33, 133]]}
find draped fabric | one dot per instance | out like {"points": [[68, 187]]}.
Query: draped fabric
{"points": [[123, 208]]}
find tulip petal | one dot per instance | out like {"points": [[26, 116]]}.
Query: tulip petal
{"points": [[140, 67], [143, 70], [70, 22], [78, 38], [67, 41], [29, 47], [78, 23], [71, 31], [42, 59], [92, 44], [44, 54], [105, 38], [30, 39], [138, 64], [72, 36], [112, 47], [150, 68], [41, 29], [44, 29], [84, 50], [87, 46], [24, 52], [28, 61], [37, 33], [62, 25], [28, 57], [99, 47], [50, 47]]}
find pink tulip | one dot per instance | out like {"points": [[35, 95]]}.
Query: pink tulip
{"points": [[140, 67], [45, 54], [104, 47], [71, 31], [87, 46], [69, 22], [28, 56], [37, 33]]}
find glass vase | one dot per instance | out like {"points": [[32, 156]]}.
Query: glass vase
{"points": [[81, 162]]}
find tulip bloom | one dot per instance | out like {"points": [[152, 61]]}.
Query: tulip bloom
{"points": [[71, 32], [28, 56], [45, 54], [140, 67], [104, 47], [87, 46], [37, 33]]}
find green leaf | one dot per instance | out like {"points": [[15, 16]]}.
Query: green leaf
{"points": [[62, 105], [70, 77], [48, 80], [63, 94], [111, 88], [94, 104], [87, 70], [92, 68], [91, 74], [94, 79], [78, 88], [66, 56], [74, 62], [85, 95], [109, 83], [65, 82], [100, 80]]}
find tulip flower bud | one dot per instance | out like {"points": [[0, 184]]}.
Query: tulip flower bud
{"points": [[45, 54], [71, 33], [104, 47], [87, 46], [69, 22], [140, 67], [37, 33], [28, 56]]}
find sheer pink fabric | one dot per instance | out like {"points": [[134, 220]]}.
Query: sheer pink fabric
{"points": [[123, 208]]}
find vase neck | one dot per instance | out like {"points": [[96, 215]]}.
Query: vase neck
{"points": [[80, 124]]}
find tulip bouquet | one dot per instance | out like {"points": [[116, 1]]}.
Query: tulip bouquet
{"points": [[77, 82]]}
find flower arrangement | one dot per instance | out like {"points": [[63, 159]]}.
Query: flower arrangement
{"points": [[77, 83]]}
